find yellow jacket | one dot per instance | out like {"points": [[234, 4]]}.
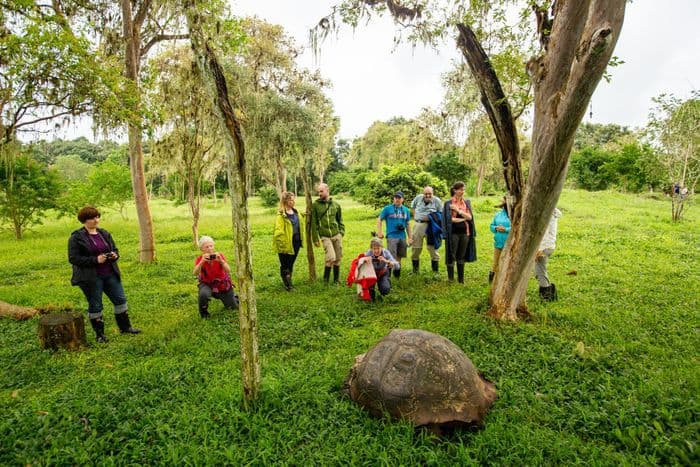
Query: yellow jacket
{"points": [[283, 233]]}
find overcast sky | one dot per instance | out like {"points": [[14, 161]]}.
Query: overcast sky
{"points": [[373, 81]]}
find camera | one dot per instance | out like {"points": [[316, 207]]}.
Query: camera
{"points": [[400, 227], [212, 257], [110, 255]]}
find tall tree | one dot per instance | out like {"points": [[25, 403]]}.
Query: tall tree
{"points": [[49, 71], [576, 41], [191, 145], [216, 84], [145, 23], [674, 128]]}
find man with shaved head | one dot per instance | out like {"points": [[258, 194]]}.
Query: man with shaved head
{"points": [[422, 207], [327, 228]]}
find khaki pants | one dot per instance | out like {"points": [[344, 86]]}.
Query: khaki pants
{"points": [[419, 229], [541, 268], [333, 248]]}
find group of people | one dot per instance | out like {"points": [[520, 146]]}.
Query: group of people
{"points": [[94, 255], [429, 221]]}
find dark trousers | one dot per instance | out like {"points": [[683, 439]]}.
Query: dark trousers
{"points": [[384, 284], [229, 299], [287, 262], [109, 285], [458, 248]]}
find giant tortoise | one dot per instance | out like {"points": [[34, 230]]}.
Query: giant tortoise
{"points": [[422, 377]]}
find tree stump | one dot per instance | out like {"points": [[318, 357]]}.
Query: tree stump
{"points": [[65, 330]]}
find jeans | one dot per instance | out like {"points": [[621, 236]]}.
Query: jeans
{"points": [[384, 283], [229, 299], [112, 287]]}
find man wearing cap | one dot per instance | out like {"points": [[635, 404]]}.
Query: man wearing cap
{"points": [[383, 262], [398, 228], [422, 206]]}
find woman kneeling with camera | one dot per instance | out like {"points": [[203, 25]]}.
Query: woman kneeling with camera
{"points": [[213, 273]]}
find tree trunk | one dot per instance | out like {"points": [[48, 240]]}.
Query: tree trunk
{"points": [[281, 179], [480, 178], [311, 260], [578, 48], [215, 81], [66, 330], [132, 64], [583, 37]]}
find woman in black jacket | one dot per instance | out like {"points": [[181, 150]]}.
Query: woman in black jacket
{"points": [[93, 254], [459, 231]]}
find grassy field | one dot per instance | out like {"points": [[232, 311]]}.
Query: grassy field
{"points": [[608, 375]]}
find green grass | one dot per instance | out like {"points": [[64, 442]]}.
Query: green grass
{"points": [[608, 375]]}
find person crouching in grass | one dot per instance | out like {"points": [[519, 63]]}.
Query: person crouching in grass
{"points": [[383, 262], [214, 274]]}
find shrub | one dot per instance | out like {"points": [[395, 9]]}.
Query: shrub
{"points": [[268, 196], [377, 187]]}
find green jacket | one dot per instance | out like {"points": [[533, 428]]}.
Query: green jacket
{"points": [[326, 219], [283, 233]]}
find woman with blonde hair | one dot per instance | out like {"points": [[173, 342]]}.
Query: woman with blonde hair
{"points": [[288, 236]]}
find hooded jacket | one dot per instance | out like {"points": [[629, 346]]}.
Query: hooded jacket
{"points": [[284, 233], [499, 238], [326, 219]]}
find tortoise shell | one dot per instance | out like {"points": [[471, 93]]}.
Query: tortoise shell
{"points": [[422, 377]]}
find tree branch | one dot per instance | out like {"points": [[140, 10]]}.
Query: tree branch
{"points": [[141, 14], [496, 105], [159, 38]]}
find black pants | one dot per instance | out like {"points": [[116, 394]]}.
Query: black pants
{"points": [[229, 298], [458, 248], [287, 262]]}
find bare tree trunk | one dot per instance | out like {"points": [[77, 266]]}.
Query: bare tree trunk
{"points": [[480, 178], [310, 258], [281, 179], [132, 37], [583, 36], [215, 81]]}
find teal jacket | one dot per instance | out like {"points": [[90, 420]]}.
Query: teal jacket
{"points": [[326, 219], [283, 233], [502, 219]]}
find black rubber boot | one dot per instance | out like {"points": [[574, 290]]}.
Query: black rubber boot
{"points": [[287, 280], [451, 272], [397, 273], [491, 276], [460, 273], [326, 274], [98, 325], [336, 274], [125, 324], [435, 265], [416, 266], [549, 293]]}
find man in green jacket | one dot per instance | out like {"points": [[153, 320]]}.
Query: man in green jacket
{"points": [[327, 228]]}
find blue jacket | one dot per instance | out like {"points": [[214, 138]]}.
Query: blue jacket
{"points": [[499, 238], [434, 231]]}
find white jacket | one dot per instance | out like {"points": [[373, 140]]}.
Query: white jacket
{"points": [[549, 241]]}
